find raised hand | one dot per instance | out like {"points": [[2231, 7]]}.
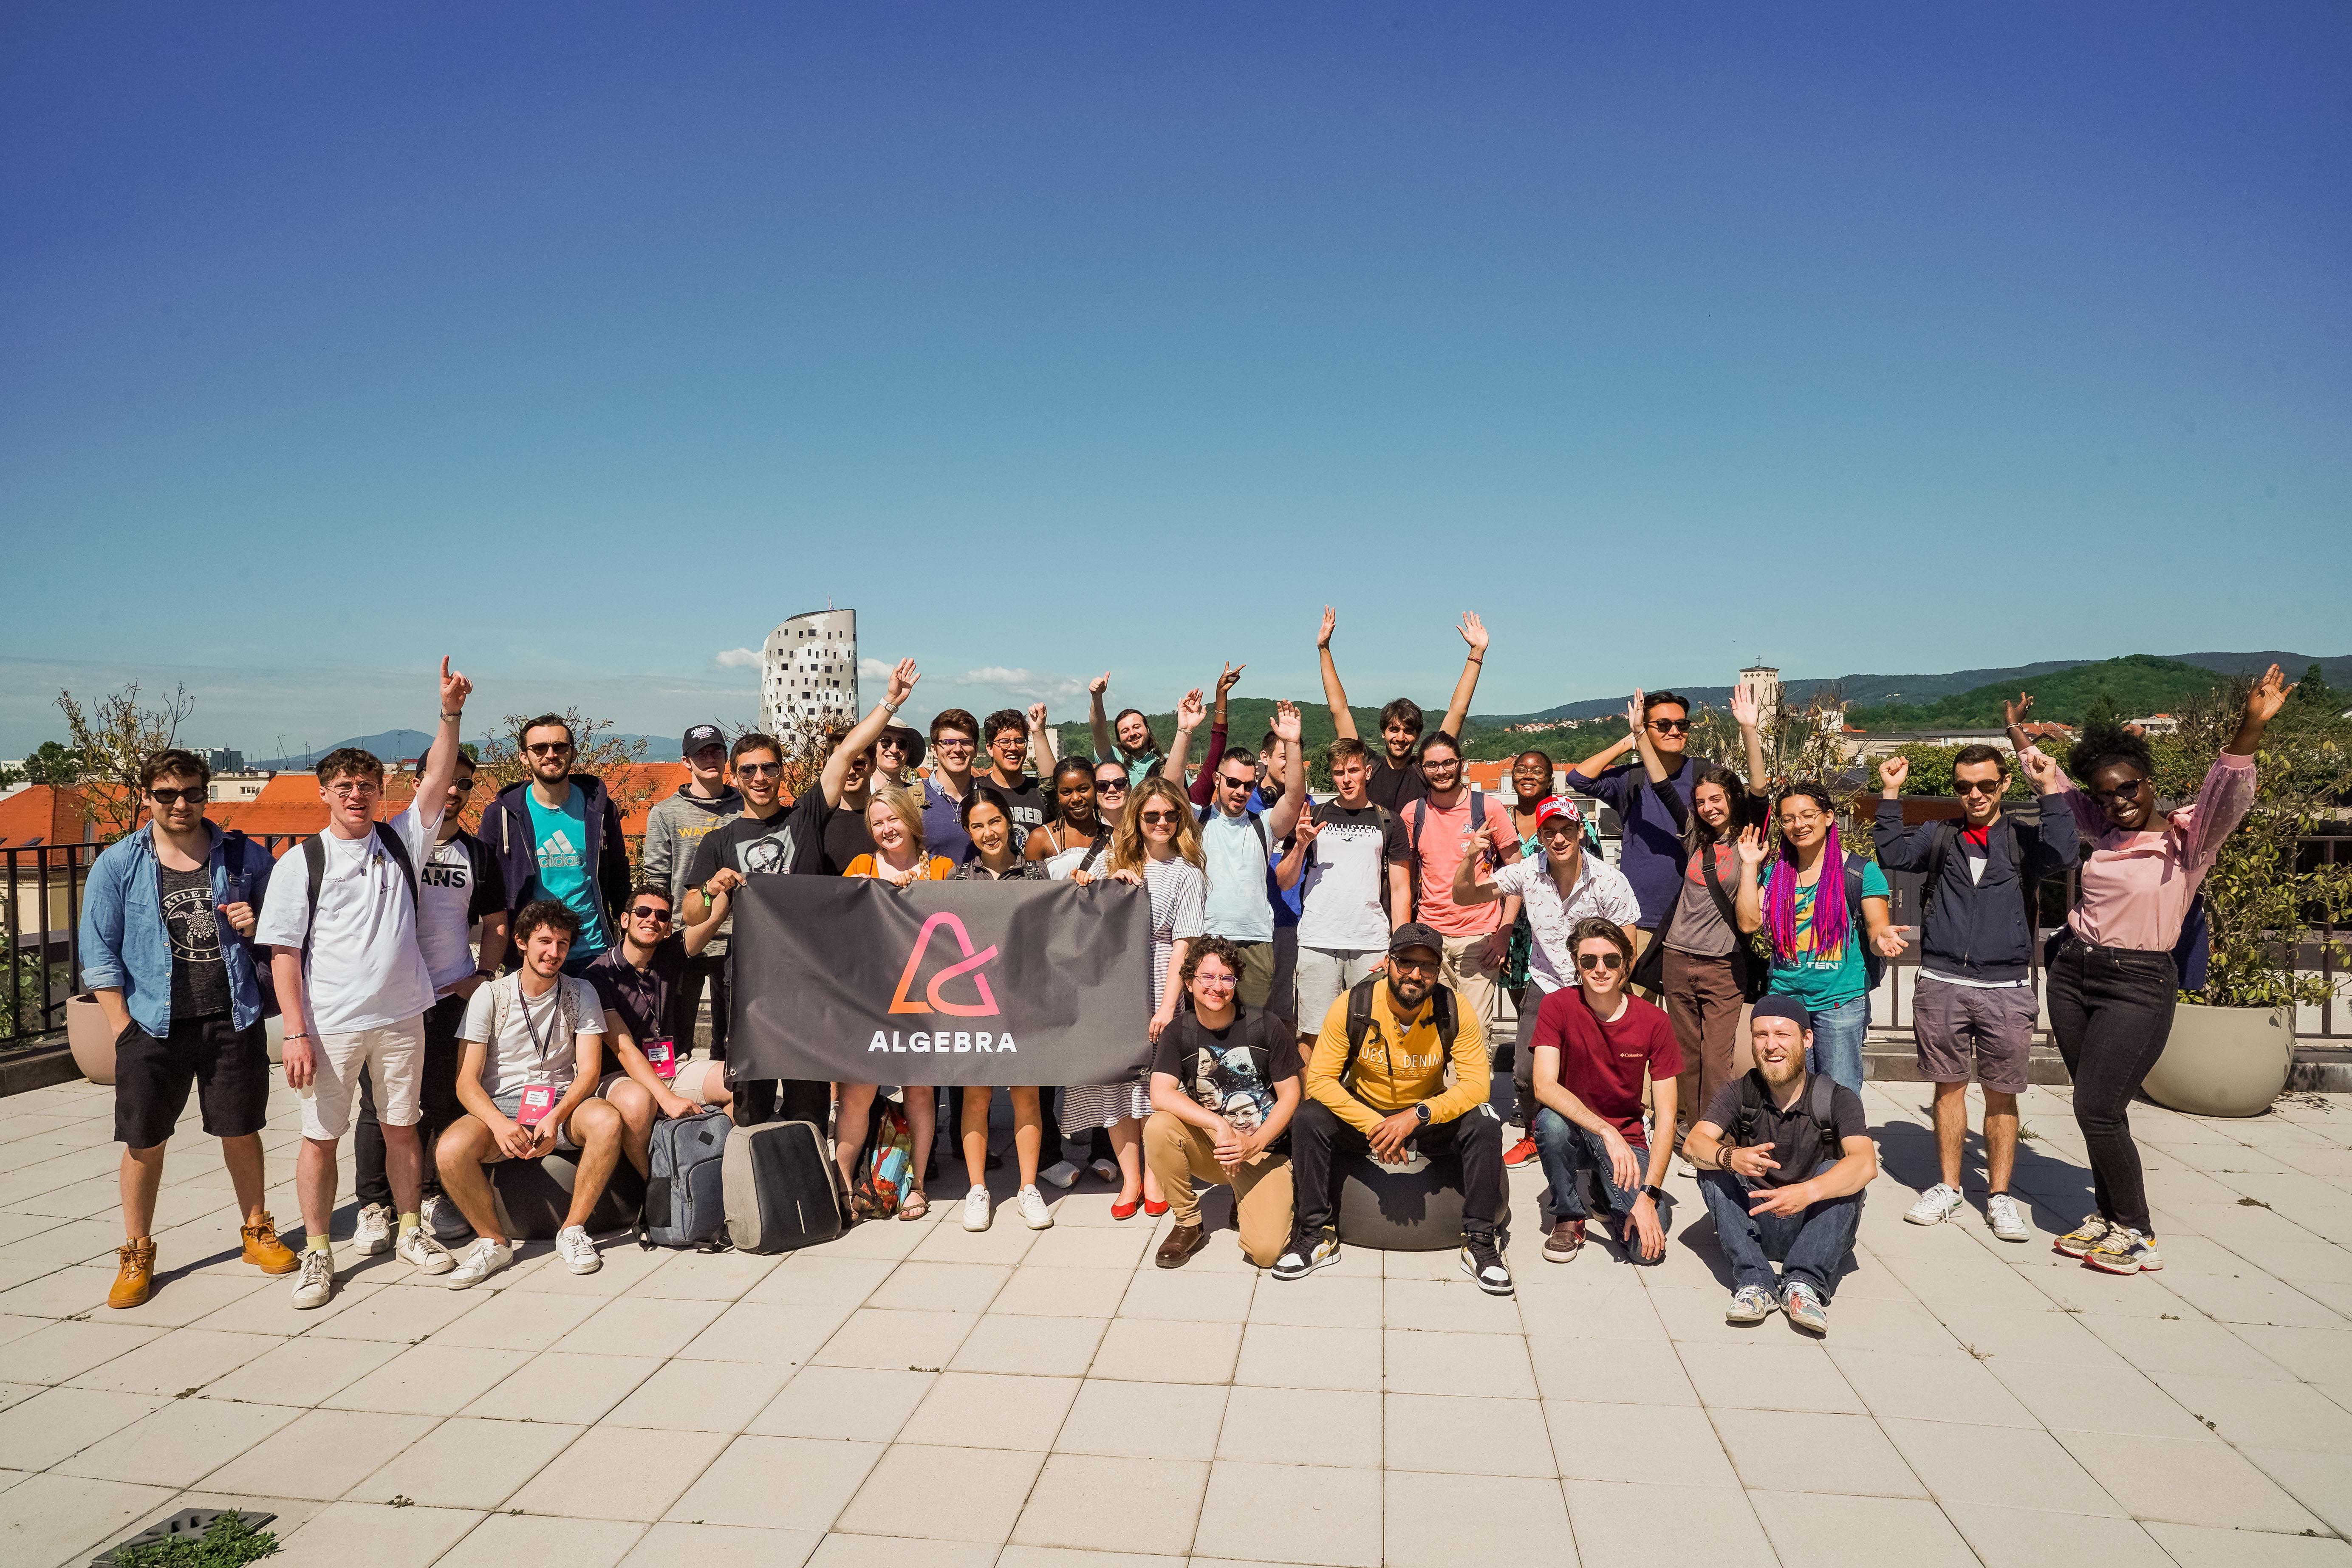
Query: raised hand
{"points": [[2012, 714], [1751, 847], [1100, 684], [1331, 619], [1190, 710], [1037, 715], [1634, 716], [457, 687], [1892, 772], [1229, 678], [1891, 942], [1306, 830], [903, 676], [2042, 770], [1744, 710], [1285, 721], [2269, 695], [1473, 631]]}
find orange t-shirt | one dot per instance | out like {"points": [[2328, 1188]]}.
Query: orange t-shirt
{"points": [[937, 869]]}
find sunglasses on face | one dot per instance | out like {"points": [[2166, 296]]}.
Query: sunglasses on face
{"points": [[1110, 787], [1977, 786], [2128, 791], [548, 748], [1151, 817], [1414, 965], [174, 796], [1232, 782], [647, 913], [1670, 726], [757, 770], [1598, 960]]}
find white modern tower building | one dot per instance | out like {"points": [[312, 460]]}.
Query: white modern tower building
{"points": [[809, 672]]}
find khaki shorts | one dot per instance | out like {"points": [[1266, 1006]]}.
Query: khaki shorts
{"points": [[393, 1056], [1952, 1026], [696, 1078]]}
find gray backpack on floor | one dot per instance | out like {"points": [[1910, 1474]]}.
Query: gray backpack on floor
{"points": [[686, 1183], [783, 1189]]}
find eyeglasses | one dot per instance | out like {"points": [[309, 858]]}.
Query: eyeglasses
{"points": [[1414, 965], [1556, 825], [1441, 762], [355, 787], [2118, 795], [951, 744], [1670, 726], [1148, 818], [548, 748], [1214, 982], [647, 913], [174, 796], [757, 770], [1598, 960], [1232, 782], [1977, 786], [1110, 787], [464, 785]]}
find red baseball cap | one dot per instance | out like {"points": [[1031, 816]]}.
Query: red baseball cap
{"points": [[1553, 806]]}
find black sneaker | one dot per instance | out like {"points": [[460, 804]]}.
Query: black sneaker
{"points": [[1304, 1256], [1483, 1263]]}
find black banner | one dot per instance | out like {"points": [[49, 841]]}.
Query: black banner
{"points": [[940, 982]]}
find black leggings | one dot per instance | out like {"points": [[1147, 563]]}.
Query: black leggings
{"points": [[2111, 1009]]}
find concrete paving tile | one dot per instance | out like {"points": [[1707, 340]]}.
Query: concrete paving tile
{"points": [[841, 1548], [2204, 1546], [1446, 1306], [406, 1316], [15, 1394], [180, 1360], [2030, 1334], [721, 1546], [919, 1287], [700, 1396], [321, 1455], [1288, 1513], [1609, 1372], [1325, 1426], [1612, 1519], [1490, 1365], [1066, 1557], [429, 1380], [303, 1371], [2321, 1482], [945, 1494], [466, 1462], [2024, 1538], [739, 1487], [2186, 1482], [866, 1404], [1276, 1355], [1004, 1242], [1468, 1436], [1158, 1503], [707, 1276], [522, 1320], [502, 1538], [1087, 1246], [1789, 1451], [68, 1519], [1442, 1520], [557, 1385], [815, 1278], [2317, 1355], [1772, 1370], [61, 1351], [1823, 1530], [2263, 1414], [2193, 1344], [349, 1532], [1040, 1347], [1187, 1295], [1138, 1350], [1665, 1444], [1032, 1291], [54, 1423], [1932, 1388], [181, 1443], [1324, 1300], [923, 1341], [990, 1410], [1999, 1464], [765, 1333], [615, 1473]]}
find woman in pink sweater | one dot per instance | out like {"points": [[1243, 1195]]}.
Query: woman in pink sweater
{"points": [[2113, 986]]}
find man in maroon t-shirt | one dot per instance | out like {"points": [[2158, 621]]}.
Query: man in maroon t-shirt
{"points": [[1594, 1045]]}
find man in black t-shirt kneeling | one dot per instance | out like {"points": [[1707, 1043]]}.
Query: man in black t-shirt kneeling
{"points": [[1224, 1085]]}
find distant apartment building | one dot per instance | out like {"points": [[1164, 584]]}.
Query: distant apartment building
{"points": [[2154, 724], [809, 671], [223, 759]]}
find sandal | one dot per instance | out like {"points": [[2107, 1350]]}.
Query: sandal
{"points": [[914, 1206]]}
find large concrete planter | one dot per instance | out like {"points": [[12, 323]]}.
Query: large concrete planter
{"points": [[2223, 1061], [91, 1041]]}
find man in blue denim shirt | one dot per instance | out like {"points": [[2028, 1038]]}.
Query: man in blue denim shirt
{"points": [[182, 999]]}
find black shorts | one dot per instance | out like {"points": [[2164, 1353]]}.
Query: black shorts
{"points": [[228, 1068]]}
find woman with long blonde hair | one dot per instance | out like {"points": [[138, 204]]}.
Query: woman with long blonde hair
{"points": [[1155, 847], [896, 822]]}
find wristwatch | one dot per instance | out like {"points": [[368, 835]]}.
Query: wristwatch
{"points": [[1422, 1111], [1655, 1194]]}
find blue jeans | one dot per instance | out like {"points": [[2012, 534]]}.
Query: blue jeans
{"points": [[1837, 1042], [1811, 1246], [1566, 1149]]}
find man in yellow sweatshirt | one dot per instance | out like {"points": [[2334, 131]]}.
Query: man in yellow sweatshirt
{"points": [[1393, 1097]]}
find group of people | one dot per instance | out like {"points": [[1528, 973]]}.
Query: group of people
{"points": [[1326, 976]]}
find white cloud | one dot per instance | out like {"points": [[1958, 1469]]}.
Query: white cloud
{"points": [[875, 668], [738, 659], [1034, 685]]}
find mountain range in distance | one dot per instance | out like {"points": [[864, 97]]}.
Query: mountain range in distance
{"points": [[392, 744]]}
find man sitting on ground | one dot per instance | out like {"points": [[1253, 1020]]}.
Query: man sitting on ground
{"points": [[1387, 1091], [1224, 1087], [642, 986], [1783, 1157], [529, 1086], [1592, 1044]]}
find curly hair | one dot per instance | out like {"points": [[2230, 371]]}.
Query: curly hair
{"points": [[2103, 745], [1216, 947], [1127, 851]]}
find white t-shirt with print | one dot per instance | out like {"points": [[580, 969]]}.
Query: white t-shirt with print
{"points": [[1601, 892], [364, 969], [445, 905], [537, 1040]]}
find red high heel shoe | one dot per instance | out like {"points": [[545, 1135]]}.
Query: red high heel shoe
{"points": [[1155, 1210], [1126, 1211]]}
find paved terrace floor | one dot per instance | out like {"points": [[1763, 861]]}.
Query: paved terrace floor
{"points": [[1053, 1401]]}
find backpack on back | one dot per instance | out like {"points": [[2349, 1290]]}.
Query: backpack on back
{"points": [[781, 1187], [242, 849], [1820, 1095], [685, 1198], [314, 862], [1419, 810], [1359, 1021]]}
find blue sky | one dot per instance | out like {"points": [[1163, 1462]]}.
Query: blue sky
{"points": [[585, 343]]}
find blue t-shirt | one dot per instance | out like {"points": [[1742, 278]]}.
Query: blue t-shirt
{"points": [[560, 844], [1238, 908], [1818, 974]]}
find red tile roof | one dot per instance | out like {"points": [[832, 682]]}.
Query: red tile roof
{"points": [[43, 812]]}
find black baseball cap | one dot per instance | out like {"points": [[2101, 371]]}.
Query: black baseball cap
{"points": [[698, 736], [1415, 935]]}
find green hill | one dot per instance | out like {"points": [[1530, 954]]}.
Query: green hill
{"points": [[2138, 683], [1250, 718]]}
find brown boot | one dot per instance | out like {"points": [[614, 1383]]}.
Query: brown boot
{"points": [[137, 1275], [1183, 1242], [264, 1250], [1567, 1239]]}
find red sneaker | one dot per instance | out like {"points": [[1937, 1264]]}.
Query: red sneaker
{"points": [[1521, 1151]]}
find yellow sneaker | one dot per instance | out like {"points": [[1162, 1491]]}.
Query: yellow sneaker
{"points": [[137, 1275], [264, 1250]]}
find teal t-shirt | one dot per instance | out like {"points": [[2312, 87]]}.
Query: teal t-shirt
{"points": [[1824, 979], [1238, 908], [560, 841]]}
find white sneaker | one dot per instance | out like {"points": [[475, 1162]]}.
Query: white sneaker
{"points": [[417, 1247], [480, 1261], [373, 1234], [1682, 1167], [317, 1280], [1937, 1205], [975, 1209], [1033, 1212], [1105, 1170], [1061, 1173], [2001, 1213], [579, 1253]]}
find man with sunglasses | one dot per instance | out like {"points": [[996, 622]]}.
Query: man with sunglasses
{"points": [[1238, 841], [183, 998], [1652, 855], [674, 830], [459, 884], [1593, 1046], [558, 836], [1974, 1003], [651, 1070]]}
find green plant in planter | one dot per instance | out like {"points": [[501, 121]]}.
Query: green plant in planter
{"points": [[228, 1542], [2261, 895]]}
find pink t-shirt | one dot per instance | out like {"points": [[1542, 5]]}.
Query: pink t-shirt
{"points": [[2137, 885], [1440, 852]]}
